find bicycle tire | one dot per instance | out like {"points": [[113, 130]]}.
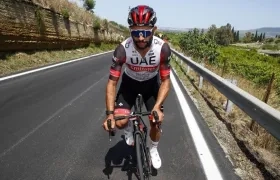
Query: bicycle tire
{"points": [[141, 157]]}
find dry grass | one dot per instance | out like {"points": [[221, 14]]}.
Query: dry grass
{"points": [[261, 144], [76, 13]]}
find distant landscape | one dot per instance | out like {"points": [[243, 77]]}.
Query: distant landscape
{"points": [[269, 31]]}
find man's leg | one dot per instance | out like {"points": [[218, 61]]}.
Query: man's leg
{"points": [[123, 105]]}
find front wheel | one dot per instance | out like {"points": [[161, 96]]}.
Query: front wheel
{"points": [[142, 159]]}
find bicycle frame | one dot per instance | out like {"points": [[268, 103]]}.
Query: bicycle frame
{"points": [[138, 120]]}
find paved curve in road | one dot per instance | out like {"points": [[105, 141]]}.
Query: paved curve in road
{"points": [[50, 128]]}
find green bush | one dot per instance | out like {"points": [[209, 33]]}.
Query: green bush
{"points": [[250, 64], [199, 46], [96, 24], [65, 13]]}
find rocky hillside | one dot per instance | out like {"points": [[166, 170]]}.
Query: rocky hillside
{"points": [[25, 25]]}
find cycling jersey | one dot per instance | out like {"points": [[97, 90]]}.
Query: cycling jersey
{"points": [[155, 61]]}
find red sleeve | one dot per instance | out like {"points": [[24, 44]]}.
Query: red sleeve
{"points": [[119, 58], [165, 57]]}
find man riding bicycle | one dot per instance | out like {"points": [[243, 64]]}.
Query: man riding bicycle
{"points": [[147, 72]]}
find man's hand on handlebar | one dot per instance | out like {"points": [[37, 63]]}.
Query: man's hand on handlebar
{"points": [[159, 114], [105, 123]]}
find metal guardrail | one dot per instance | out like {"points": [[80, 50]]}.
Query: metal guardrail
{"points": [[265, 115]]}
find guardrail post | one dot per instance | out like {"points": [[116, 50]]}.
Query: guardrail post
{"points": [[201, 79], [265, 97], [229, 104]]}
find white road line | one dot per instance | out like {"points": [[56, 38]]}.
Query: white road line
{"points": [[209, 165], [51, 117], [51, 66]]}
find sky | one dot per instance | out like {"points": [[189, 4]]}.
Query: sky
{"points": [[242, 14]]}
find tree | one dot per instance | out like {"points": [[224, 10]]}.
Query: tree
{"points": [[237, 36], [224, 35], [89, 5], [212, 32], [202, 31], [252, 36], [260, 37], [248, 37], [256, 36], [263, 38]]}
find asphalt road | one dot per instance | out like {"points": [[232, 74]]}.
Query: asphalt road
{"points": [[50, 128]]}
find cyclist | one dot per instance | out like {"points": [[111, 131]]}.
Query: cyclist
{"points": [[147, 72]]}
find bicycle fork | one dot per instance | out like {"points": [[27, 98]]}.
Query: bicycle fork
{"points": [[143, 141]]}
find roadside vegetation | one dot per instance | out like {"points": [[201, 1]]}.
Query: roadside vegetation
{"points": [[254, 73], [20, 61]]}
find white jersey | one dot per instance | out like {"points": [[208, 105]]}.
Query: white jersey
{"points": [[142, 69]]}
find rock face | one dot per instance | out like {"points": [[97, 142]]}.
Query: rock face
{"points": [[28, 26]]}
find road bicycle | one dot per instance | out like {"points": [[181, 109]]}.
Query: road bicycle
{"points": [[144, 162]]}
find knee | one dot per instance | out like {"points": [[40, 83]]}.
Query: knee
{"points": [[121, 112], [121, 123]]}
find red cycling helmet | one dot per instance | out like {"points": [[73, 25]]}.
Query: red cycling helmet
{"points": [[142, 15]]}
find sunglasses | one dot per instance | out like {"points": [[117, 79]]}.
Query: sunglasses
{"points": [[140, 32]]}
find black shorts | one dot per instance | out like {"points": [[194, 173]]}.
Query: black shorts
{"points": [[130, 88]]}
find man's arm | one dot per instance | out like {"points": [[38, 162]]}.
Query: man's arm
{"points": [[164, 70], [118, 59]]}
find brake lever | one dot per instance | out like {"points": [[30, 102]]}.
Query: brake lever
{"points": [[155, 114], [111, 131]]}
